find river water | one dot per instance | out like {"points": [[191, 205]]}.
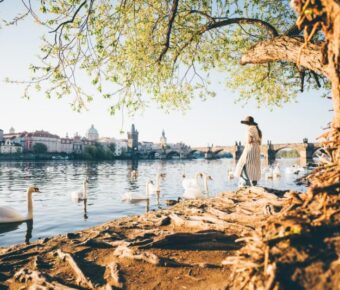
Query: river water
{"points": [[56, 213]]}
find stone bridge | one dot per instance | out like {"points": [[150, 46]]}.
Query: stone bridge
{"points": [[269, 151], [167, 153]]}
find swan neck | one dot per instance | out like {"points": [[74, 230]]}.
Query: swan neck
{"points": [[85, 190], [206, 184], [29, 205], [198, 174], [158, 181]]}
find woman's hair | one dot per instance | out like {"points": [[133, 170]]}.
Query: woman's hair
{"points": [[259, 131]]}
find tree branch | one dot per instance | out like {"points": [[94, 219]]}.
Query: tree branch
{"points": [[263, 24], [168, 33], [285, 48], [71, 20]]}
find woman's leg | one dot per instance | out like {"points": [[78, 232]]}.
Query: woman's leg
{"points": [[244, 176]]}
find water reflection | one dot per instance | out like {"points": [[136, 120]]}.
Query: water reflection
{"points": [[85, 210], [5, 228], [54, 211]]}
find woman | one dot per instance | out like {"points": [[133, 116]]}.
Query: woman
{"points": [[249, 164]]}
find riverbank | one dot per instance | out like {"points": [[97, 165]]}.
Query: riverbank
{"points": [[253, 238]]}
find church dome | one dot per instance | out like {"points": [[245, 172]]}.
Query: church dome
{"points": [[92, 133]]}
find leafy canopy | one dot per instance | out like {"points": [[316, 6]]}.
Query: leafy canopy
{"points": [[141, 50]]}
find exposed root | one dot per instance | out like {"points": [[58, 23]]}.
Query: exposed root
{"points": [[80, 277]]}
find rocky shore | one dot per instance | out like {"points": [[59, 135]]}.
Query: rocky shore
{"points": [[254, 238]]}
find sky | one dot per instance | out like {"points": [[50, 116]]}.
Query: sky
{"points": [[215, 121]]}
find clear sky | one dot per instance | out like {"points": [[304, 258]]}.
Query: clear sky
{"points": [[215, 121]]}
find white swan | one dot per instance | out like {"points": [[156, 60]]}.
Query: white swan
{"points": [[191, 187], [134, 174], [206, 178], [230, 174], [156, 188], [277, 171], [81, 195], [137, 197], [10, 215]]}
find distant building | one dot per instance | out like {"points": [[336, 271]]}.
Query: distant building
{"points": [[145, 146], [1, 135], [66, 145], [121, 147], [92, 134], [9, 147], [133, 140], [50, 140], [11, 130]]}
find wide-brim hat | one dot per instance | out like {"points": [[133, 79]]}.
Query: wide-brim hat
{"points": [[249, 120]]}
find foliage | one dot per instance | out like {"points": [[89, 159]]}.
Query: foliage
{"points": [[39, 148], [142, 50], [96, 152], [288, 154]]}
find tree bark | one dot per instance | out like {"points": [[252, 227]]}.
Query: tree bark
{"points": [[332, 33], [285, 48]]}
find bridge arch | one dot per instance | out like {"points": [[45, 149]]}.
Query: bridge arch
{"points": [[172, 154], [281, 151]]}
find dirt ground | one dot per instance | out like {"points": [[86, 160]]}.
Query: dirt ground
{"points": [[199, 244]]}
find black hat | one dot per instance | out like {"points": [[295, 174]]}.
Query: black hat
{"points": [[249, 120]]}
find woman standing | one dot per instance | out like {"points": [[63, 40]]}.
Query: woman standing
{"points": [[249, 164]]}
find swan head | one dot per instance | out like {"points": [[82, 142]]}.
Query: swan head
{"points": [[32, 189], [209, 177], [183, 176], [86, 180], [162, 175]]}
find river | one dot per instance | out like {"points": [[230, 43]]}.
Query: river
{"points": [[56, 213]]}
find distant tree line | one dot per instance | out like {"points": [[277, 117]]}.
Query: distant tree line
{"points": [[97, 152], [288, 154]]}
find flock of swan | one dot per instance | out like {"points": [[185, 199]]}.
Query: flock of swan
{"points": [[192, 190]]}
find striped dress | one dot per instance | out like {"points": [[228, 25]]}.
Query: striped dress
{"points": [[251, 155]]}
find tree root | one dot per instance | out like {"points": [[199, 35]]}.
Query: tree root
{"points": [[80, 277]]}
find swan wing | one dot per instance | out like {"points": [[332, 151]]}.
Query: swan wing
{"points": [[192, 193], [189, 182], [8, 215], [131, 196], [77, 195]]}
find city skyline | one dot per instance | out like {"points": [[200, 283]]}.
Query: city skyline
{"points": [[214, 121]]}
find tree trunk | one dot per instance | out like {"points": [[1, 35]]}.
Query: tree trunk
{"points": [[332, 33]]}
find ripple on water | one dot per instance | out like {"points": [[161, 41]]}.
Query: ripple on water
{"points": [[54, 211]]}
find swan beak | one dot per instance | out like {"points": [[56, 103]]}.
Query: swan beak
{"points": [[183, 175], [210, 178], [36, 189]]}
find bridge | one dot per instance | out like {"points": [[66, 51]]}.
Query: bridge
{"points": [[269, 151], [169, 153]]}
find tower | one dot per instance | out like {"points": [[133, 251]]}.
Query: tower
{"points": [[163, 140], [133, 140]]}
